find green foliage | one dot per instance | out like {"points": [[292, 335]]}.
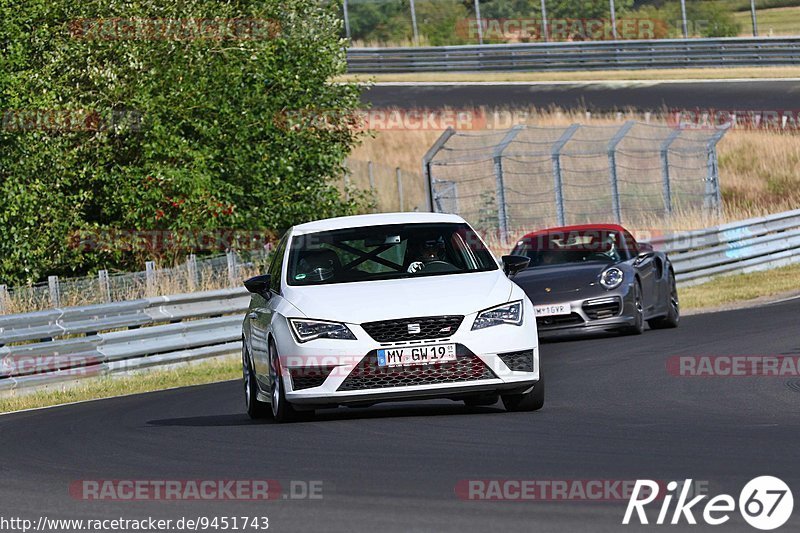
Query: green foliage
{"points": [[184, 131]]}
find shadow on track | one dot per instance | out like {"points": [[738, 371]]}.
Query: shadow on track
{"points": [[332, 415]]}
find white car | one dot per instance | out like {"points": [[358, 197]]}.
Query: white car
{"points": [[372, 308]]}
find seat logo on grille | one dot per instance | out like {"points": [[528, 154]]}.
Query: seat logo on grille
{"points": [[414, 328]]}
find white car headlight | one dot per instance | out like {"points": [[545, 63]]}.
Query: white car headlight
{"points": [[510, 313], [611, 278], [307, 330]]}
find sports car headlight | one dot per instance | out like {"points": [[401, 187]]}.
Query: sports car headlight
{"points": [[611, 278], [510, 313], [307, 330]]}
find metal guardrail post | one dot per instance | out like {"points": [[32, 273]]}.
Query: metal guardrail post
{"points": [[105, 286], [150, 277], [713, 195], [191, 271], [500, 191], [555, 154], [233, 268], [4, 299], [426, 165], [55, 291], [612, 168], [665, 179]]}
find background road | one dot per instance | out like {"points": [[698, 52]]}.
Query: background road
{"points": [[612, 412], [777, 95]]}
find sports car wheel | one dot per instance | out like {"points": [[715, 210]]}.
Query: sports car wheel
{"points": [[531, 401], [638, 326], [282, 410], [674, 314], [255, 409]]}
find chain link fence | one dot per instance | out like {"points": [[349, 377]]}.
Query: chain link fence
{"points": [[532, 177], [215, 272], [389, 189]]}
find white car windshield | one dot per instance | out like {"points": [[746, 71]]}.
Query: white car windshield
{"points": [[386, 252]]}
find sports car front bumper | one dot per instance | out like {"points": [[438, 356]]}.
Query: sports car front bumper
{"points": [[590, 315]]}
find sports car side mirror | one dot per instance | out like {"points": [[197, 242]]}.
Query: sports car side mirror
{"points": [[259, 285], [645, 250], [514, 263]]}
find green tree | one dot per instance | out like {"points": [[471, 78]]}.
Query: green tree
{"points": [[184, 123]]}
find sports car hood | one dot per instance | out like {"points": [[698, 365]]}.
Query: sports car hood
{"points": [[559, 281], [366, 301]]}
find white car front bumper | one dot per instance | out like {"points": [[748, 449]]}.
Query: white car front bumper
{"points": [[330, 372]]}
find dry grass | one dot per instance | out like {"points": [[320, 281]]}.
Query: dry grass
{"points": [[578, 76], [758, 168]]}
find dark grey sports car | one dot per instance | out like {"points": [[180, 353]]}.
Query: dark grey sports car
{"points": [[596, 278]]}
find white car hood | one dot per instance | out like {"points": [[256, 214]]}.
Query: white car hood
{"points": [[366, 301]]}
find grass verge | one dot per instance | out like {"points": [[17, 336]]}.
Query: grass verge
{"points": [[581, 75], [741, 288], [109, 386], [774, 21]]}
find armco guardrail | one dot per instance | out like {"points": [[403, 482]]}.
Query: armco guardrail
{"points": [[49, 347], [72, 343], [586, 55], [745, 246]]}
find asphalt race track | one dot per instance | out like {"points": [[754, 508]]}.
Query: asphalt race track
{"points": [[773, 95], [612, 412]]}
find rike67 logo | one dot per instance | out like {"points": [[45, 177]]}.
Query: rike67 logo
{"points": [[765, 503]]}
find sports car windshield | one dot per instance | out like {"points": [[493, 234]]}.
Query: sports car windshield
{"points": [[386, 252], [574, 247]]}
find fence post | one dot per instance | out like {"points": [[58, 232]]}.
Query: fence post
{"points": [[346, 20], [500, 187], [346, 179], [232, 267], [55, 291], [3, 299], [191, 271], [713, 196], [426, 165], [105, 286], [556, 156], [150, 277], [399, 175], [612, 168], [667, 187], [371, 175]]}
